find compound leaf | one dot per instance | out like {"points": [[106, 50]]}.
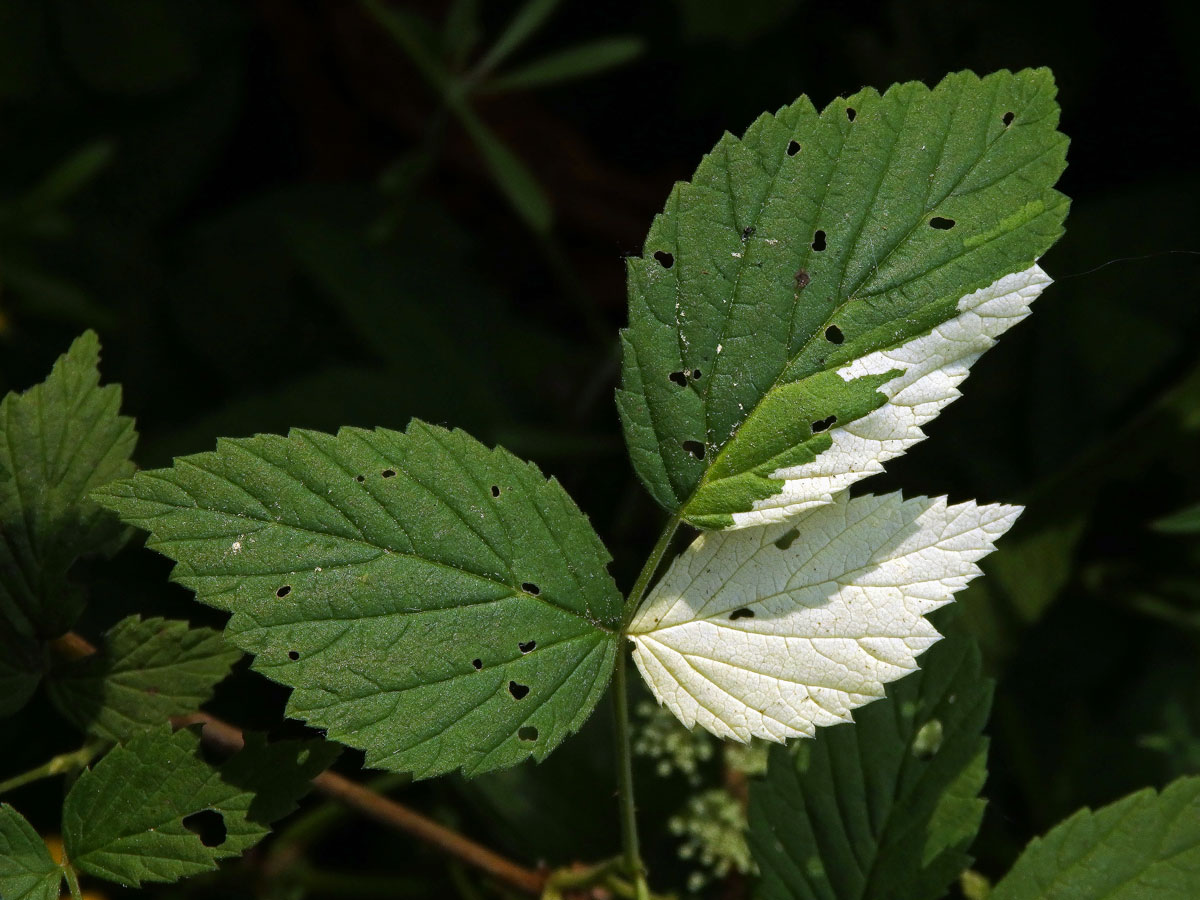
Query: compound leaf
{"points": [[27, 871], [1144, 845], [58, 441], [771, 632], [821, 287], [145, 672], [886, 807], [435, 603], [154, 809]]}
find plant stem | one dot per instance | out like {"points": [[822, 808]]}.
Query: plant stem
{"points": [[64, 762], [629, 836], [72, 881]]}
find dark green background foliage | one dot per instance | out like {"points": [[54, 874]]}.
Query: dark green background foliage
{"points": [[271, 220]]}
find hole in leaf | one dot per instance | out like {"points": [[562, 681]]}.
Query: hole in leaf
{"points": [[530, 588], [1008, 119], [388, 473], [818, 427], [302, 756], [527, 646], [519, 691], [665, 259], [293, 655], [786, 539], [495, 490], [527, 733], [793, 148], [818, 243], [834, 335], [742, 613], [284, 591], [680, 378], [802, 279], [477, 663], [696, 374], [360, 478], [208, 825], [747, 232], [941, 223], [696, 448]]}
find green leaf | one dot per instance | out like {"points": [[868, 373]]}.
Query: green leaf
{"points": [[819, 289], [21, 663], [529, 18], [58, 441], [432, 602], [131, 817], [1144, 845], [145, 672], [574, 62], [888, 806], [1186, 521], [27, 871]]}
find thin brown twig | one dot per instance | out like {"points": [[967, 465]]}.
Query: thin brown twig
{"points": [[225, 737]]}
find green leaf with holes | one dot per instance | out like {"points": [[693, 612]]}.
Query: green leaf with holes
{"points": [[887, 806], [27, 871], [433, 602], [817, 291], [154, 809], [146, 671], [1144, 845], [58, 441]]}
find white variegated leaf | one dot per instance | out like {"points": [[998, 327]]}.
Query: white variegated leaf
{"points": [[932, 367], [770, 632]]}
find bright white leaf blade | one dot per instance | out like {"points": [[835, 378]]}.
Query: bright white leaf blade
{"points": [[771, 632]]}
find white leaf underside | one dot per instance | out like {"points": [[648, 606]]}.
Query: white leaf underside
{"points": [[933, 366], [751, 640]]}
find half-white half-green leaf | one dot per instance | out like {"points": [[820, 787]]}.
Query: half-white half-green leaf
{"points": [[771, 632], [820, 288], [433, 602]]}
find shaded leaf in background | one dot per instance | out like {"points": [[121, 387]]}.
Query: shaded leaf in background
{"points": [[58, 441], [146, 670], [435, 603], [21, 664], [1186, 521], [1144, 845], [818, 290], [127, 818], [27, 871], [574, 62], [775, 631], [886, 807]]}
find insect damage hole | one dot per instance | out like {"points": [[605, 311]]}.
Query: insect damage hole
{"points": [[388, 473], [527, 733], [793, 148], [785, 540], [941, 223], [360, 478], [477, 663], [818, 241], [697, 374], [696, 448], [283, 591], [834, 335], [208, 825], [526, 646], [1008, 119], [518, 691], [747, 233], [742, 613], [530, 588], [495, 490], [851, 113], [665, 259], [823, 424], [680, 378], [293, 655]]}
